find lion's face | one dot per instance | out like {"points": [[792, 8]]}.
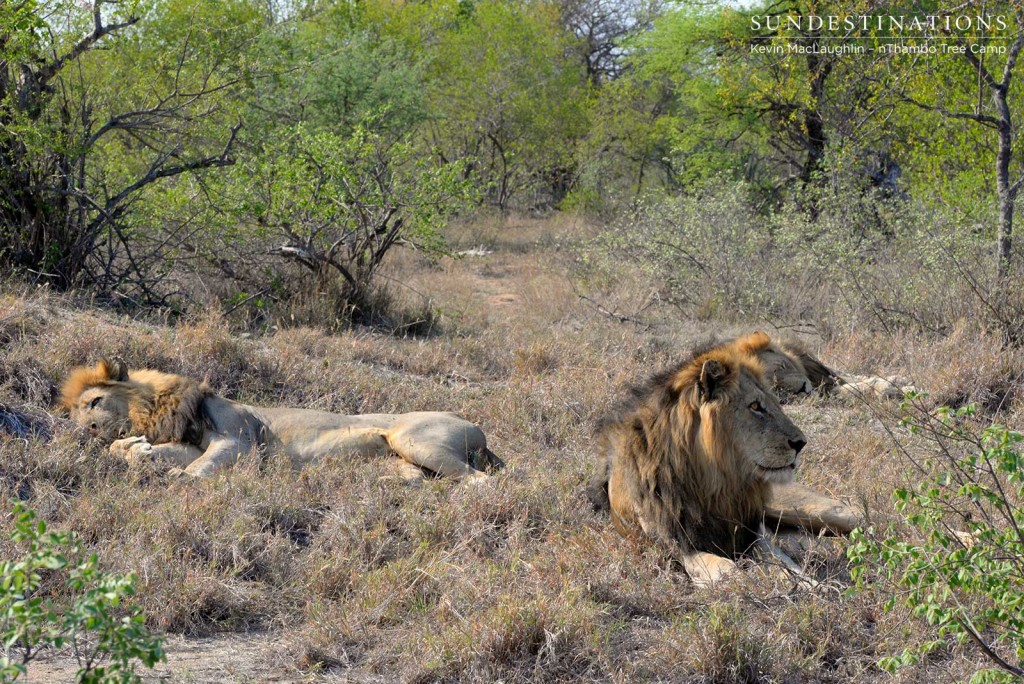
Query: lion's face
{"points": [[764, 435], [103, 412], [741, 409], [97, 400], [784, 373]]}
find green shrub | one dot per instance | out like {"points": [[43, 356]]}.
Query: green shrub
{"points": [[861, 262], [960, 562], [90, 618], [313, 217]]}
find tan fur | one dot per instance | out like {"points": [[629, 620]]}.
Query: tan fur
{"points": [[152, 415], [792, 369], [164, 407], [789, 504], [690, 459]]}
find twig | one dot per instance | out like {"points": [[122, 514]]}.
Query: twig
{"points": [[969, 628], [245, 301], [621, 318]]}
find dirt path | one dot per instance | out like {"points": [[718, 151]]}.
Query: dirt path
{"points": [[222, 659]]}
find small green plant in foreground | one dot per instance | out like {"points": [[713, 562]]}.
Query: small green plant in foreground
{"points": [[105, 644], [963, 568]]}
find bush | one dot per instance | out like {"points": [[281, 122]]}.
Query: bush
{"points": [[314, 216], [959, 564], [89, 620], [862, 261]]}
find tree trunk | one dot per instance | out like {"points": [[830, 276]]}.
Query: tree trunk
{"points": [[814, 126], [1007, 193]]}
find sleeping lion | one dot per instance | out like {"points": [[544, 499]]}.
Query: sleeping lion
{"points": [[171, 419], [791, 369], [700, 455]]}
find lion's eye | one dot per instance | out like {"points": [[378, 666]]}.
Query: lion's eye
{"points": [[756, 407]]}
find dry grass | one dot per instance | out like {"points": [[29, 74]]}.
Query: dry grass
{"points": [[360, 579]]}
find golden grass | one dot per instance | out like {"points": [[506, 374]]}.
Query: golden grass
{"points": [[516, 580]]}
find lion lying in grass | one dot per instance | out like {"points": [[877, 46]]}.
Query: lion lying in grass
{"points": [[155, 416], [791, 369], [692, 459]]}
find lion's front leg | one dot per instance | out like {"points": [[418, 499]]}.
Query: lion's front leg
{"points": [[800, 506], [221, 451], [138, 451]]}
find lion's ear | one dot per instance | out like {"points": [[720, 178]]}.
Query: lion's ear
{"points": [[115, 369], [713, 377], [754, 342]]}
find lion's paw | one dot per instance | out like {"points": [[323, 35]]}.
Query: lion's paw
{"points": [[179, 475], [705, 569], [479, 479], [132, 449], [804, 581]]}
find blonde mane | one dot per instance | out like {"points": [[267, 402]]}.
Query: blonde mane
{"points": [[161, 406]]}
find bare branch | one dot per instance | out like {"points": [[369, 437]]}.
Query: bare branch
{"points": [[51, 69], [983, 119], [158, 171], [983, 645]]}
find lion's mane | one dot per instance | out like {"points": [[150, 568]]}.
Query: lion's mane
{"points": [[678, 457], [162, 406], [822, 378]]}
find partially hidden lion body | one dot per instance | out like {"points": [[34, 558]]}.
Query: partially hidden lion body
{"points": [[691, 458], [791, 369], [169, 418]]}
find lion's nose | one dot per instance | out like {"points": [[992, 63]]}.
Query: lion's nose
{"points": [[797, 444]]}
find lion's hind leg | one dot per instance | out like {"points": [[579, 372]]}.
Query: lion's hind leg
{"points": [[409, 472], [442, 443]]}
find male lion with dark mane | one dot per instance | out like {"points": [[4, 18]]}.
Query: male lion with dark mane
{"points": [[692, 457], [156, 416]]}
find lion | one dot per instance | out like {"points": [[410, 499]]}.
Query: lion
{"points": [[690, 460], [152, 416], [791, 369]]}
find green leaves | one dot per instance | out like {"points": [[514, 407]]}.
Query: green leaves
{"points": [[93, 621], [509, 94], [960, 564], [336, 203]]}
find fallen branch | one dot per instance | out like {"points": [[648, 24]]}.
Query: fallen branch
{"points": [[621, 318]]}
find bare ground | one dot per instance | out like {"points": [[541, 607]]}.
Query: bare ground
{"points": [[229, 658]]}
